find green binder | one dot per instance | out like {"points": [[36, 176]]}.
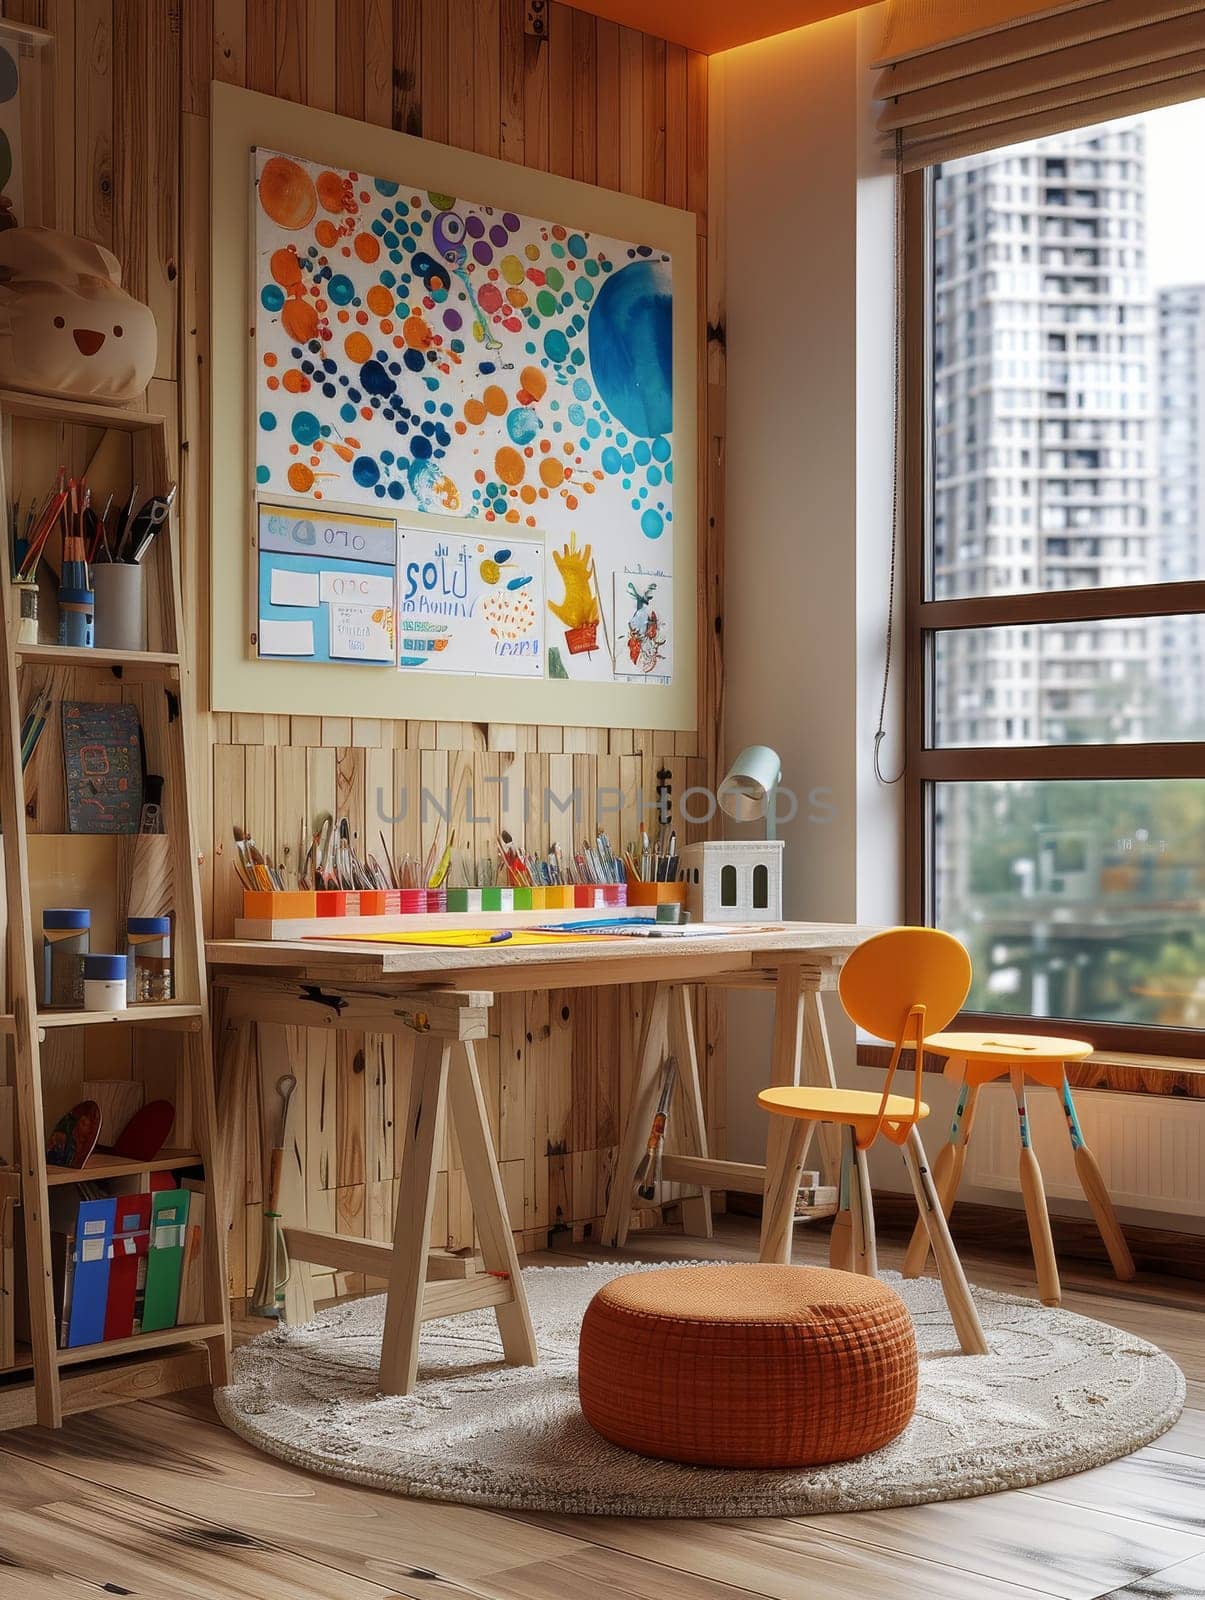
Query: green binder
{"points": [[169, 1222]]}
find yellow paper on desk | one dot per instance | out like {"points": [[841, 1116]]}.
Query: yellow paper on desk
{"points": [[468, 938]]}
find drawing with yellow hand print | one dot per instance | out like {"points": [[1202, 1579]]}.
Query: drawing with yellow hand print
{"points": [[579, 610]]}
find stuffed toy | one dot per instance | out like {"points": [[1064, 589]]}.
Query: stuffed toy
{"points": [[67, 327]]}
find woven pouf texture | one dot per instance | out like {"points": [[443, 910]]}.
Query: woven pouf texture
{"points": [[747, 1366]]}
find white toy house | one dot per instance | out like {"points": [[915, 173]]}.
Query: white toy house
{"points": [[733, 880]]}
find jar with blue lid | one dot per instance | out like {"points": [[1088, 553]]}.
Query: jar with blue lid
{"points": [[149, 956], [66, 932], [105, 983]]}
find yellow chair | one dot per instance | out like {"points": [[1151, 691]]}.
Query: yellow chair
{"points": [[895, 985], [977, 1058]]}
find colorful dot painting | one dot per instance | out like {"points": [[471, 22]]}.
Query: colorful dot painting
{"points": [[420, 353]]}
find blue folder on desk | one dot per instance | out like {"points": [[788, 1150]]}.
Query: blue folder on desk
{"points": [[90, 1280]]}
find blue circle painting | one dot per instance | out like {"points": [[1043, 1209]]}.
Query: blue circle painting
{"points": [[632, 347]]}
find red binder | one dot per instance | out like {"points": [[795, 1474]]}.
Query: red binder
{"points": [[131, 1240]]}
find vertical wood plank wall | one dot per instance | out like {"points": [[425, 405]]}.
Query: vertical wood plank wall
{"points": [[588, 99]]}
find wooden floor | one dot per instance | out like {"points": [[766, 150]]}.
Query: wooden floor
{"points": [[159, 1500]]}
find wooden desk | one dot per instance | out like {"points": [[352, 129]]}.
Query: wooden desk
{"points": [[440, 996]]}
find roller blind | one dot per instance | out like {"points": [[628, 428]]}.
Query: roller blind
{"points": [[959, 76]]}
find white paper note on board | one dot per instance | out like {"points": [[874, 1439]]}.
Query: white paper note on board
{"points": [[294, 588], [357, 588], [361, 633], [285, 638]]}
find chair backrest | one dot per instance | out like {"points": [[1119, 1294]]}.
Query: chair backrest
{"points": [[902, 985], [893, 972]]}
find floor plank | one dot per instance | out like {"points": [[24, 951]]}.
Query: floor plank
{"points": [[1019, 1537], [1156, 1486], [1183, 1582], [201, 1468], [788, 1559]]}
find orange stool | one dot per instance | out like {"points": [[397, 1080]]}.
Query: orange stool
{"points": [[976, 1059], [894, 985], [747, 1366]]}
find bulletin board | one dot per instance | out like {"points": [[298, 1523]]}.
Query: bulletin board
{"points": [[491, 372]]}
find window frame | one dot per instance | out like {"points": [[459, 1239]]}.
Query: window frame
{"points": [[927, 764]]}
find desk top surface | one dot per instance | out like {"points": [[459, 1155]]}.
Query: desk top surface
{"points": [[589, 962]]}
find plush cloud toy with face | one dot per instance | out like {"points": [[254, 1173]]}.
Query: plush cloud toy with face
{"points": [[67, 327]]}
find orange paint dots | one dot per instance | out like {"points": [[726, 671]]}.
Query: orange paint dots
{"points": [[495, 400], [545, 445], [299, 320], [474, 412], [273, 383], [418, 334], [326, 233], [567, 448], [516, 297], [379, 300], [527, 494], [551, 472], [270, 358], [285, 267], [460, 427], [571, 501], [367, 246], [512, 516], [296, 382], [286, 193], [509, 465], [386, 324], [330, 191], [534, 381], [366, 413], [362, 318], [358, 347], [300, 477]]}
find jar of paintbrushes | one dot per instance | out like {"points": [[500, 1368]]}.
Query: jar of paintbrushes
{"points": [[77, 602]]}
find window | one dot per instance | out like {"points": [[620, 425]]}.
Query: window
{"points": [[728, 886], [1056, 695]]}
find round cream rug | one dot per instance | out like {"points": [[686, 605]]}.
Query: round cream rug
{"points": [[1057, 1394]]}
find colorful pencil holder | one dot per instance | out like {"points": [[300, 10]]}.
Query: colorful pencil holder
{"points": [[275, 905], [656, 894]]}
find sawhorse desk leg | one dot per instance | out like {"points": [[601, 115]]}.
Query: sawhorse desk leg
{"points": [[444, 1080], [800, 1053]]}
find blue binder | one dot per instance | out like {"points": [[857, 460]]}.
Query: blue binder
{"points": [[90, 1281]]}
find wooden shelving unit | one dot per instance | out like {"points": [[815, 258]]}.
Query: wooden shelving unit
{"points": [[53, 1052]]}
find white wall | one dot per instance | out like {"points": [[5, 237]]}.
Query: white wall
{"points": [[806, 214]]}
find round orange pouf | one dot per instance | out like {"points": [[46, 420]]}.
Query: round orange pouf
{"points": [[747, 1366]]}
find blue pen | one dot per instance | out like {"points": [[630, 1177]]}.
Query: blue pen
{"points": [[497, 938]]}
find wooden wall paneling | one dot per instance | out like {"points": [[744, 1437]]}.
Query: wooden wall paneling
{"points": [[229, 43], [321, 28], [606, 56], [378, 62], [537, 56], [487, 77], [290, 47], [461, 68], [512, 19], [654, 117], [560, 88], [585, 96], [407, 66], [631, 111], [349, 58], [676, 114], [266, 19], [93, 107], [435, 70]]}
